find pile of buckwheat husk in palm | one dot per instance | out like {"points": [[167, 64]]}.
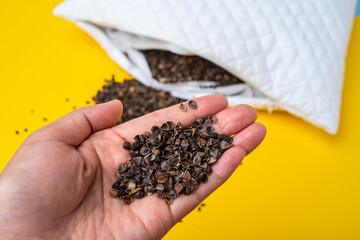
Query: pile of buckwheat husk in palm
{"points": [[170, 160]]}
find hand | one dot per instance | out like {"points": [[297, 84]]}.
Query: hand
{"points": [[57, 184]]}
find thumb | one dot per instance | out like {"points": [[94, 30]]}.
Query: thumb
{"points": [[73, 128]]}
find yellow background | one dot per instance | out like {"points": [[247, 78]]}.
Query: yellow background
{"points": [[301, 183]]}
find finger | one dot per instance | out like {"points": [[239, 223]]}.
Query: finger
{"points": [[251, 138], [206, 106], [246, 141], [233, 120], [76, 126]]}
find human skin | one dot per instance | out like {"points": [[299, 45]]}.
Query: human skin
{"points": [[56, 186]]}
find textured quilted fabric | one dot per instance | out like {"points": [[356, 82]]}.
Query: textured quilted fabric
{"points": [[292, 51]]}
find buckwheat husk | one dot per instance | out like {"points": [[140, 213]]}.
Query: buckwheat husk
{"points": [[192, 104], [137, 99], [168, 67], [169, 160]]}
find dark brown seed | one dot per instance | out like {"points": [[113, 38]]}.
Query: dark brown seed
{"points": [[203, 177], [209, 169], [169, 200], [179, 173], [193, 131], [174, 161], [155, 130], [200, 121], [197, 160], [160, 187], [207, 122], [165, 126], [192, 104], [152, 157], [134, 169], [221, 137], [165, 166], [155, 152], [214, 135], [139, 138], [129, 174], [149, 189], [178, 188], [147, 134], [183, 107], [135, 146], [202, 142], [198, 169], [229, 139], [188, 132], [171, 125], [184, 144], [182, 136], [215, 153], [212, 160], [186, 177], [118, 176], [126, 192], [170, 194], [167, 154], [135, 190], [17, 132], [137, 160], [122, 167], [185, 165], [176, 142], [156, 166], [114, 193], [225, 145], [209, 130], [170, 183], [177, 179], [139, 195], [194, 145], [154, 140], [193, 181], [144, 151], [160, 194], [204, 165], [179, 126], [161, 177], [116, 185], [127, 199], [131, 185], [213, 119]]}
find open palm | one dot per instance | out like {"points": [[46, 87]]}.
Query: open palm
{"points": [[57, 184]]}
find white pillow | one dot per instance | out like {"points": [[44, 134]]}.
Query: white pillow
{"points": [[290, 53]]}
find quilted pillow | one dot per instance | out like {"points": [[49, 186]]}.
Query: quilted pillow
{"points": [[290, 53]]}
